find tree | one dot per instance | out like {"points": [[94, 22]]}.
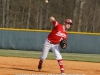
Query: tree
{"points": [[80, 14], [35, 14], [29, 11], [4, 13]]}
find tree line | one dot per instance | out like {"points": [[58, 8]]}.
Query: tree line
{"points": [[34, 14]]}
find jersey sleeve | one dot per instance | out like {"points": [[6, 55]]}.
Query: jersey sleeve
{"points": [[55, 23]]}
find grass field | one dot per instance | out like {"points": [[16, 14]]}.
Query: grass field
{"points": [[66, 56]]}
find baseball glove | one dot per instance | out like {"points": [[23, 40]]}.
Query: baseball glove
{"points": [[63, 44]]}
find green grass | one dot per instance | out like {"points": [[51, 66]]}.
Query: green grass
{"points": [[66, 56]]}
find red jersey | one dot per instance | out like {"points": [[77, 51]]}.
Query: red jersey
{"points": [[58, 33]]}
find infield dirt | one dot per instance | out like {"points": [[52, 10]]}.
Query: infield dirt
{"points": [[28, 66]]}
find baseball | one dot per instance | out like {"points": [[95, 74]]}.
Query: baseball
{"points": [[46, 1]]}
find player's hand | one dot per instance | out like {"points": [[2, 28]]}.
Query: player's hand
{"points": [[52, 19]]}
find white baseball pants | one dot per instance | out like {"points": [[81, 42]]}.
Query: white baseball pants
{"points": [[54, 47]]}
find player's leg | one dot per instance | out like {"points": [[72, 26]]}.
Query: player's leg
{"points": [[44, 54], [56, 52]]}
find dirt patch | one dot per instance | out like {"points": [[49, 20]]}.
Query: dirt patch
{"points": [[28, 66]]}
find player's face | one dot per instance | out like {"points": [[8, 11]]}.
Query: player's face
{"points": [[67, 26]]}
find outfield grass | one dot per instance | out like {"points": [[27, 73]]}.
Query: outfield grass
{"points": [[66, 56]]}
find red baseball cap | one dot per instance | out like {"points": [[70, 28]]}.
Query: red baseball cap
{"points": [[69, 21]]}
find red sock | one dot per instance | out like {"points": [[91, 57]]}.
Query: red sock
{"points": [[40, 62], [61, 65]]}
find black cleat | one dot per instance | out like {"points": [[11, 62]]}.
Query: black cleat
{"points": [[39, 68]]}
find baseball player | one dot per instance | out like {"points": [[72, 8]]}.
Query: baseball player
{"points": [[58, 33]]}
